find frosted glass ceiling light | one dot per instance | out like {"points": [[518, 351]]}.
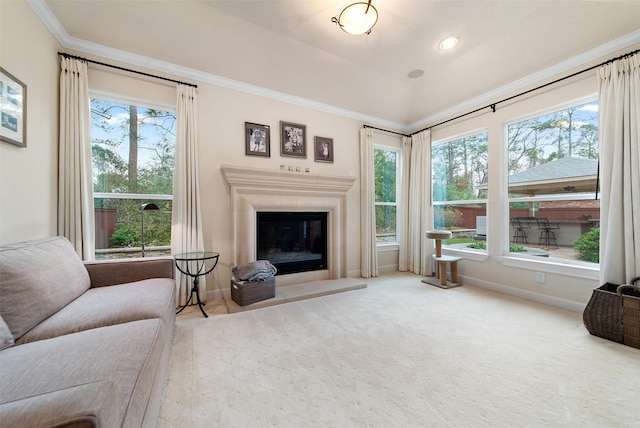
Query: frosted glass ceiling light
{"points": [[357, 18]]}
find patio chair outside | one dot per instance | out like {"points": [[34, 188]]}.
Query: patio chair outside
{"points": [[547, 233], [520, 226]]}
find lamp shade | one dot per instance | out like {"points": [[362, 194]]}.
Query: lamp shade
{"points": [[149, 207], [357, 18]]}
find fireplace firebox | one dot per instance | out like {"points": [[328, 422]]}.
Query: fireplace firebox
{"points": [[292, 241]]}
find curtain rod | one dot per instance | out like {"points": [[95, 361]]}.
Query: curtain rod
{"points": [[385, 130], [66, 55], [492, 106]]}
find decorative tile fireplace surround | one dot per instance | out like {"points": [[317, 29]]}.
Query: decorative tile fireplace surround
{"points": [[253, 190]]}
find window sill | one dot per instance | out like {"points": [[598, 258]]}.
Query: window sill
{"points": [[391, 246], [548, 266], [466, 254]]}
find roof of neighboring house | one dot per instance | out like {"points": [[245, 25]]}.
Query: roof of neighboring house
{"points": [[565, 175], [558, 169], [580, 173]]}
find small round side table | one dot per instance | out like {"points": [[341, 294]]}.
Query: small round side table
{"points": [[193, 265]]}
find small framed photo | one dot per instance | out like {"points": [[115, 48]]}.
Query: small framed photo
{"points": [[323, 149], [257, 139], [293, 140], [13, 109]]}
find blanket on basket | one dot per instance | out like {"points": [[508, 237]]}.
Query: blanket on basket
{"points": [[260, 270]]}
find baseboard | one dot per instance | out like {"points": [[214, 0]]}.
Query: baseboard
{"points": [[217, 294], [388, 268], [545, 299]]}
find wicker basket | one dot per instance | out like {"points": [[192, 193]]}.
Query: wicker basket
{"points": [[603, 315], [246, 293], [630, 313], [613, 313]]}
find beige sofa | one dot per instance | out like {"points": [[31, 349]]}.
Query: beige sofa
{"points": [[82, 344]]}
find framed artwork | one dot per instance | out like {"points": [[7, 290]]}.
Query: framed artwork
{"points": [[257, 139], [13, 109], [293, 140], [323, 149]]}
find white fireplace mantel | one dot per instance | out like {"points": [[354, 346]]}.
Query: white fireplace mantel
{"points": [[238, 176], [253, 190]]}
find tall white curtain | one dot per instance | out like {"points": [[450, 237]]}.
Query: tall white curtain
{"points": [[403, 212], [368, 249], [186, 221], [619, 91], [416, 251], [75, 183]]}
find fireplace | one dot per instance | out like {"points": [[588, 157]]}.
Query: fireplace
{"points": [[253, 190], [292, 241]]}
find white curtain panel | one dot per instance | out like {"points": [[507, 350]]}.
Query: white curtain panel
{"points": [[75, 182], [417, 251], [619, 91], [368, 249], [403, 212], [186, 221]]}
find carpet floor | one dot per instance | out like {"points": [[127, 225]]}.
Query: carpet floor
{"points": [[398, 353]]}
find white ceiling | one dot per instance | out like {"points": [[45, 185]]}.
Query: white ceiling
{"points": [[292, 47]]}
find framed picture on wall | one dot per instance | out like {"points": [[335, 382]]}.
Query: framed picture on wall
{"points": [[323, 149], [13, 109], [293, 140], [257, 139]]}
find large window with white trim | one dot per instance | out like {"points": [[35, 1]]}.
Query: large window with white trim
{"points": [[552, 165], [133, 149], [460, 176]]}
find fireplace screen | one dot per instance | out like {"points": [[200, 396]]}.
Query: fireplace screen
{"points": [[293, 241]]}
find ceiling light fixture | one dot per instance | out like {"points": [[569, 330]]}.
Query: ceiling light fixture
{"points": [[357, 18], [448, 43]]}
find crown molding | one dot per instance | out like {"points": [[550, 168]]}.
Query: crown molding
{"points": [[43, 11], [521, 84]]}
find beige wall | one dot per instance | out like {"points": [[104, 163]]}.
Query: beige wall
{"points": [[28, 176], [28, 189], [221, 117], [222, 114]]}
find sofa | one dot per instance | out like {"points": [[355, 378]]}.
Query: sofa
{"points": [[83, 344]]}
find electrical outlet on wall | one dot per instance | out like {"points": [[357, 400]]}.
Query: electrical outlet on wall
{"points": [[540, 279]]}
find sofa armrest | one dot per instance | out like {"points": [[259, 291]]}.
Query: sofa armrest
{"points": [[121, 271]]}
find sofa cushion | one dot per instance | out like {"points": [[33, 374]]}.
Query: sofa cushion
{"points": [[109, 305], [88, 405], [128, 355], [6, 338], [37, 279]]}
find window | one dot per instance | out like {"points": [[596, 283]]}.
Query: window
{"points": [[552, 168], [386, 202], [460, 176], [133, 156]]}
